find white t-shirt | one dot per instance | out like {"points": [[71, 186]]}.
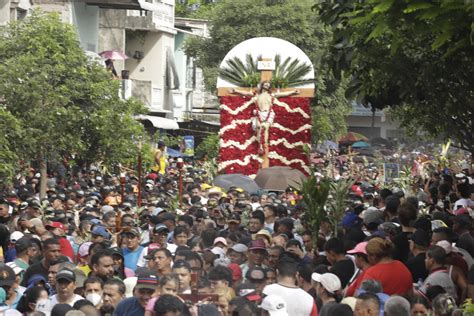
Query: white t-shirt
{"points": [[54, 299], [298, 301]]}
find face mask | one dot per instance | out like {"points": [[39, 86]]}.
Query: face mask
{"points": [[44, 305], [94, 298]]}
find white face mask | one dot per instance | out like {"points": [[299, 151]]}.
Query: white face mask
{"points": [[44, 305], [94, 298]]}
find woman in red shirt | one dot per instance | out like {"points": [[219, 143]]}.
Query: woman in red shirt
{"points": [[395, 278]]}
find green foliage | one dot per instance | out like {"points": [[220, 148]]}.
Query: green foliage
{"points": [[338, 201], [415, 55], [209, 147], [232, 22], [289, 73], [62, 103], [10, 131], [315, 196]]}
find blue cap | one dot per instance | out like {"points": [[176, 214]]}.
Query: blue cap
{"points": [[350, 220], [101, 231]]}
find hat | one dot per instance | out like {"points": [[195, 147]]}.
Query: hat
{"points": [[234, 217], [134, 231], [66, 274], [15, 267], [56, 225], [257, 244], [160, 227], [265, 233], [350, 220], [189, 180], [447, 246], [372, 216], [220, 240], [241, 248], [83, 250], [248, 291], [101, 231], [256, 274], [116, 251], [275, 305], [218, 251], [7, 275], [168, 217], [107, 208], [146, 279], [328, 280], [359, 248], [215, 191], [236, 271], [15, 236], [420, 238]]}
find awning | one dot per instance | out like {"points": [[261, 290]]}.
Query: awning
{"points": [[158, 122], [124, 4]]}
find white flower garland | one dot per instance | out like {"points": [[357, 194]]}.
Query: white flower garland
{"points": [[233, 125], [237, 110], [275, 155], [229, 143], [286, 143], [242, 162], [283, 128], [288, 109]]}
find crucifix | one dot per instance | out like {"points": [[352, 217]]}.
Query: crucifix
{"points": [[264, 98]]}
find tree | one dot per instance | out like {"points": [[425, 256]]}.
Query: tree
{"points": [[232, 22], [416, 56], [63, 104]]}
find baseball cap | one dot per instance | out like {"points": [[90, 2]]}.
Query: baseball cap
{"points": [[146, 279], [447, 246], [328, 280], [7, 275], [134, 232], [160, 227], [275, 305], [83, 250], [372, 216], [15, 267], [116, 251], [265, 233], [66, 274], [255, 274], [257, 244], [248, 291], [359, 248], [56, 225], [234, 217], [241, 248], [218, 251], [101, 231], [15, 236], [107, 208], [167, 217], [420, 238], [350, 220], [220, 240]]}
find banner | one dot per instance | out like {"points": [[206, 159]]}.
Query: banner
{"points": [[189, 145]]}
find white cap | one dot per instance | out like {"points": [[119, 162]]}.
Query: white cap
{"points": [[218, 251], [220, 239], [275, 305], [16, 268], [15, 236], [328, 280], [107, 208]]}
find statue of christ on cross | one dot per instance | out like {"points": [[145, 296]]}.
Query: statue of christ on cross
{"points": [[264, 116]]}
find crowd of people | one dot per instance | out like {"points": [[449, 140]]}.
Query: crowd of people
{"points": [[94, 246]]}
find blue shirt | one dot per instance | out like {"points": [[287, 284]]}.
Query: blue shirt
{"points": [[131, 257], [129, 306]]}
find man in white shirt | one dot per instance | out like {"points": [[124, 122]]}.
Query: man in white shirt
{"points": [[65, 286], [298, 301]]}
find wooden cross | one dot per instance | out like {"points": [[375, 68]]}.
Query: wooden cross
{"points": [[266, 67]]}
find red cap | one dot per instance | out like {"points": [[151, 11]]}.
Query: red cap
{"points": [[56, 225], [236, 271]]}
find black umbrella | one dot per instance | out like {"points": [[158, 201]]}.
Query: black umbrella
{"points": [[226, 181]]}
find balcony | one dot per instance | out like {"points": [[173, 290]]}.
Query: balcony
{"points": [[145, 91]]}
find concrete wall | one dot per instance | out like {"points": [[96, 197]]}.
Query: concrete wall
{"points": [[383, 127], [86, 20], [112, 33], [4, 12]]}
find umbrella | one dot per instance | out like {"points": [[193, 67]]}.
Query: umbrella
{"points": [[226, 181], [360, 144], [113, 54], [352, 137], [279, 178]]}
